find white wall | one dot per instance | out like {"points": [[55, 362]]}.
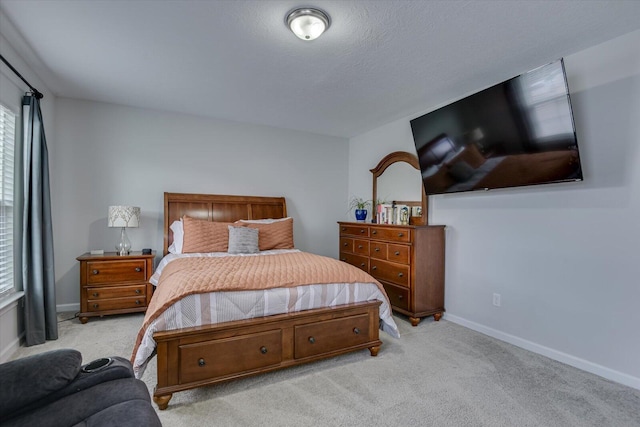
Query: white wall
{"points": [[564, 257], [108, 154]]}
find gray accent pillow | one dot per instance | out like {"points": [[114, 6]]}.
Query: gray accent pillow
{"points": [[243, 240]]}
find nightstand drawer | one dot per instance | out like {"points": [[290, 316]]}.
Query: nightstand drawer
{"points": [[116, 304], [116, 271], [116, 292]]}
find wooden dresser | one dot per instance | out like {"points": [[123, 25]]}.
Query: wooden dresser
{"points": [[114, 284], [408, 260]]}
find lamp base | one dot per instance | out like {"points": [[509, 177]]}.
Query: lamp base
{"points": [[124, 246]]}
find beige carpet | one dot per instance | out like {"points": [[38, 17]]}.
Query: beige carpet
{"points": [[436, 374]]}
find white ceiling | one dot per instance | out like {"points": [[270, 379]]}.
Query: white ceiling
{"points": [[379, 60]]}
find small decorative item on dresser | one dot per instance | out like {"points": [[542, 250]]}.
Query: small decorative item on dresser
{"points": [[123, 217], [360, 205], [114, 284]]}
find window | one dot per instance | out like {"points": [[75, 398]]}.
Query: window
{"points": [[7, 145]]}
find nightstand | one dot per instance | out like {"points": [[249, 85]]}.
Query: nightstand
{"points": [[114, 284]]}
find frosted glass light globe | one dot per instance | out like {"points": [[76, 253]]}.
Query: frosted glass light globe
{"points": [[307, 24]]}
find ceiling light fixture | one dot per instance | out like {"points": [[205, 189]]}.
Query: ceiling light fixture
{"points": [[307, 23]]}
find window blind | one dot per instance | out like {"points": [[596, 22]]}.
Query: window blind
{"points": [[7, 150]]}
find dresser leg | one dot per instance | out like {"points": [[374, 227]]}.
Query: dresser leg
{"points": [[437, 316], [162, 401], [414, 321], [374, 350], [84, 319]]}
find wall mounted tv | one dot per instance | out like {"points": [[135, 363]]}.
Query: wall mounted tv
{"points": [[519, 132]]}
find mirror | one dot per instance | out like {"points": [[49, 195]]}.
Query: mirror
{"points": [[397, 178]]}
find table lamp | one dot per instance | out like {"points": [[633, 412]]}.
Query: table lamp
{"points": [[123, 217]]}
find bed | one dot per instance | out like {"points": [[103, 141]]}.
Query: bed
{"points": [[250, 323]]}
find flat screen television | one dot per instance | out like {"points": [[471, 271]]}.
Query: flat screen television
{"points": [[516, 133]]}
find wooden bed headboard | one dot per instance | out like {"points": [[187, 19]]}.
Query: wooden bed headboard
{"points": [[219, 208]]}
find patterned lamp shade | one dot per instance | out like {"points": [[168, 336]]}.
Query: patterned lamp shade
{"points": [[124, 216]]}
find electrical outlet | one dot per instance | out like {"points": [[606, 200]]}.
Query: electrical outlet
{"points": [[496, 300]]}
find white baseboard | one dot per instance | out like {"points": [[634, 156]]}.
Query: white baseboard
{"points": [[568, 359], [60, 308], [13, 346]]}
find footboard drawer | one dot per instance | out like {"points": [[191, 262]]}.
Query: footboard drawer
{"points": [[324, 337], [200, 361]]}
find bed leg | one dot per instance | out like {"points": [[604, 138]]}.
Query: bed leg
{"points": [[374, 350], [162, 401]]}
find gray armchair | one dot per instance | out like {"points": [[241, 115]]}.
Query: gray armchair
{"points": [[54, 389]]}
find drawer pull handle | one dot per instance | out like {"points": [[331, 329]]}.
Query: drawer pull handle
{"points": [[375, 267], [397, 253], [95, 305], [345, 244], [359, 246], [95, 272], [201, 362], [138, 291], [343, 259], [138, 269], [399, 297], [95, 294], [356, 331], [377, 249], [362, 230], [362, 264], [312, 340], [344, 229], [263, 350], [400, 274], [375, 232], [138, 302], [400, 234]]}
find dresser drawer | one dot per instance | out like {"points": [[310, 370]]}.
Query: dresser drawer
{"points": [[204, 360], [346, 244], [390, 252], [361, 247], [94, 293], [395, 234], [116, 271], [362, 262], [355, 230], [399, 253], [398, 296], [391, 272], [335, 334], [116, 304]]}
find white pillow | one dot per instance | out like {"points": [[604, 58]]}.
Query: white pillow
{"points": [[263, 221], [178, 237]]}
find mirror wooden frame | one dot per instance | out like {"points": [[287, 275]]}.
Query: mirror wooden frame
{"points": [[388, 160]]}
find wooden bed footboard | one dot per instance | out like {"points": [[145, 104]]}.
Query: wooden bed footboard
{"points": [[205, 355]]}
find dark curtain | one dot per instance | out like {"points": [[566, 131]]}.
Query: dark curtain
{"points": [[38, 278]]}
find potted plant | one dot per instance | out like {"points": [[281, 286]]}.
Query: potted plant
{"points": [[360, 205]]}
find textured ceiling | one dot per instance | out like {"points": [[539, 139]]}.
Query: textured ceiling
{"points": [[379, 60]]}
